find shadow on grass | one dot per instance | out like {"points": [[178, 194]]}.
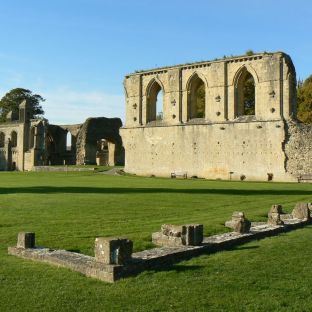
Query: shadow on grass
{"points": [[125, 190], [74, 250], [243, 247], [175, 268]]}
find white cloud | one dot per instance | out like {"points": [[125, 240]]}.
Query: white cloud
{"points": [[68, 106]]}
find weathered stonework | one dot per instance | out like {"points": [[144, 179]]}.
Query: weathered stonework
{"points": [[26, 240], [113, 250], [225, 143], [110, 268], [179, 235], [22, 140], [26, 144], [239, 223], [298, 148], [302, 211], [91, 133], [274, 215]]}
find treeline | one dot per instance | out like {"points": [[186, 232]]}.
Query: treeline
{"points": [[304, 100]]}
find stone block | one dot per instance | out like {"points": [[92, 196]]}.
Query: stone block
{"points": [[172, 230], [26, 240], [239, 223], [193, 234], [274, 215], [111, 250], [301, 211], [178, 235]]}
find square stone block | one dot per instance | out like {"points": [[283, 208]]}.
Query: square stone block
{"points": [[193, 234], [113, 250], [26, 240]]}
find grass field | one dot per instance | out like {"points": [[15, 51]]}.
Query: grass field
{"points": [[68, 210]]}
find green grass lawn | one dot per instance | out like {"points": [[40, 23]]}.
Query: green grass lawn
{"points": [[68, 210]]}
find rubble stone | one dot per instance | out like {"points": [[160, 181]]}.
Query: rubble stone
{"points": [[301, 211], [274, 215], [178, 235], [238, 223]]}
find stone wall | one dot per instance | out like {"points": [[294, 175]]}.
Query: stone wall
{"points": [[26, 143], [298, 148], [93, 130], [223, 144], [23, 141], [248, 151]]}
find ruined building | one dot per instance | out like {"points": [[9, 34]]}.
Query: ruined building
{"points": [[230, 119], [26, 143]]}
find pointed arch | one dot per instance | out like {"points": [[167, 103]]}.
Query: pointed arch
{"points": [[245, 82], [196, 101], [13, 138], [150, 85], [154, 100], [193, 76], [243, 68]]}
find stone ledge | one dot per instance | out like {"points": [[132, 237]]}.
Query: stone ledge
{"points": [[83, 264]]}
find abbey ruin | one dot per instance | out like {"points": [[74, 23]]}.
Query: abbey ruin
{"points": [[244, 128], [225, 119], [27, 143]]}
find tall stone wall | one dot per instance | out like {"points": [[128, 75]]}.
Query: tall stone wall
{"points": [[251, 151], [222, 144]]}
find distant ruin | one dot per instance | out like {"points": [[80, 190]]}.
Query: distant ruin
{"points": [[232, 118], [27, 143]]}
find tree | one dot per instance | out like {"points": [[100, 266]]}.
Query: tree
{"points": [[12, 100], [250, 52], [200, 101], [249, 96], [304, 101]]}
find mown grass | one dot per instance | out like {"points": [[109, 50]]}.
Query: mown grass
{"points": [[68, 210]]}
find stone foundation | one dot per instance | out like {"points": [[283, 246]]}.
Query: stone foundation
{"points": [[114, 258]]}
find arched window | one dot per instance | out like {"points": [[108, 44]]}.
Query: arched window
{"points": [[32, 137], [245, 100], [154, 102], [2, 139], [13, 139], [68, 141], [196, 98]]}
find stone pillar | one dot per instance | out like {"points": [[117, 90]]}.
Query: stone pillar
{"points": [[26, 240], [192, 234], [111, 250]]}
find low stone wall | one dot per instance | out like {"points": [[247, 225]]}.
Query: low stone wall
{"points": [[114, 258], [148, 259]]}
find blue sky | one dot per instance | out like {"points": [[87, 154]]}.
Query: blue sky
{"points": [[75, 53]]}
